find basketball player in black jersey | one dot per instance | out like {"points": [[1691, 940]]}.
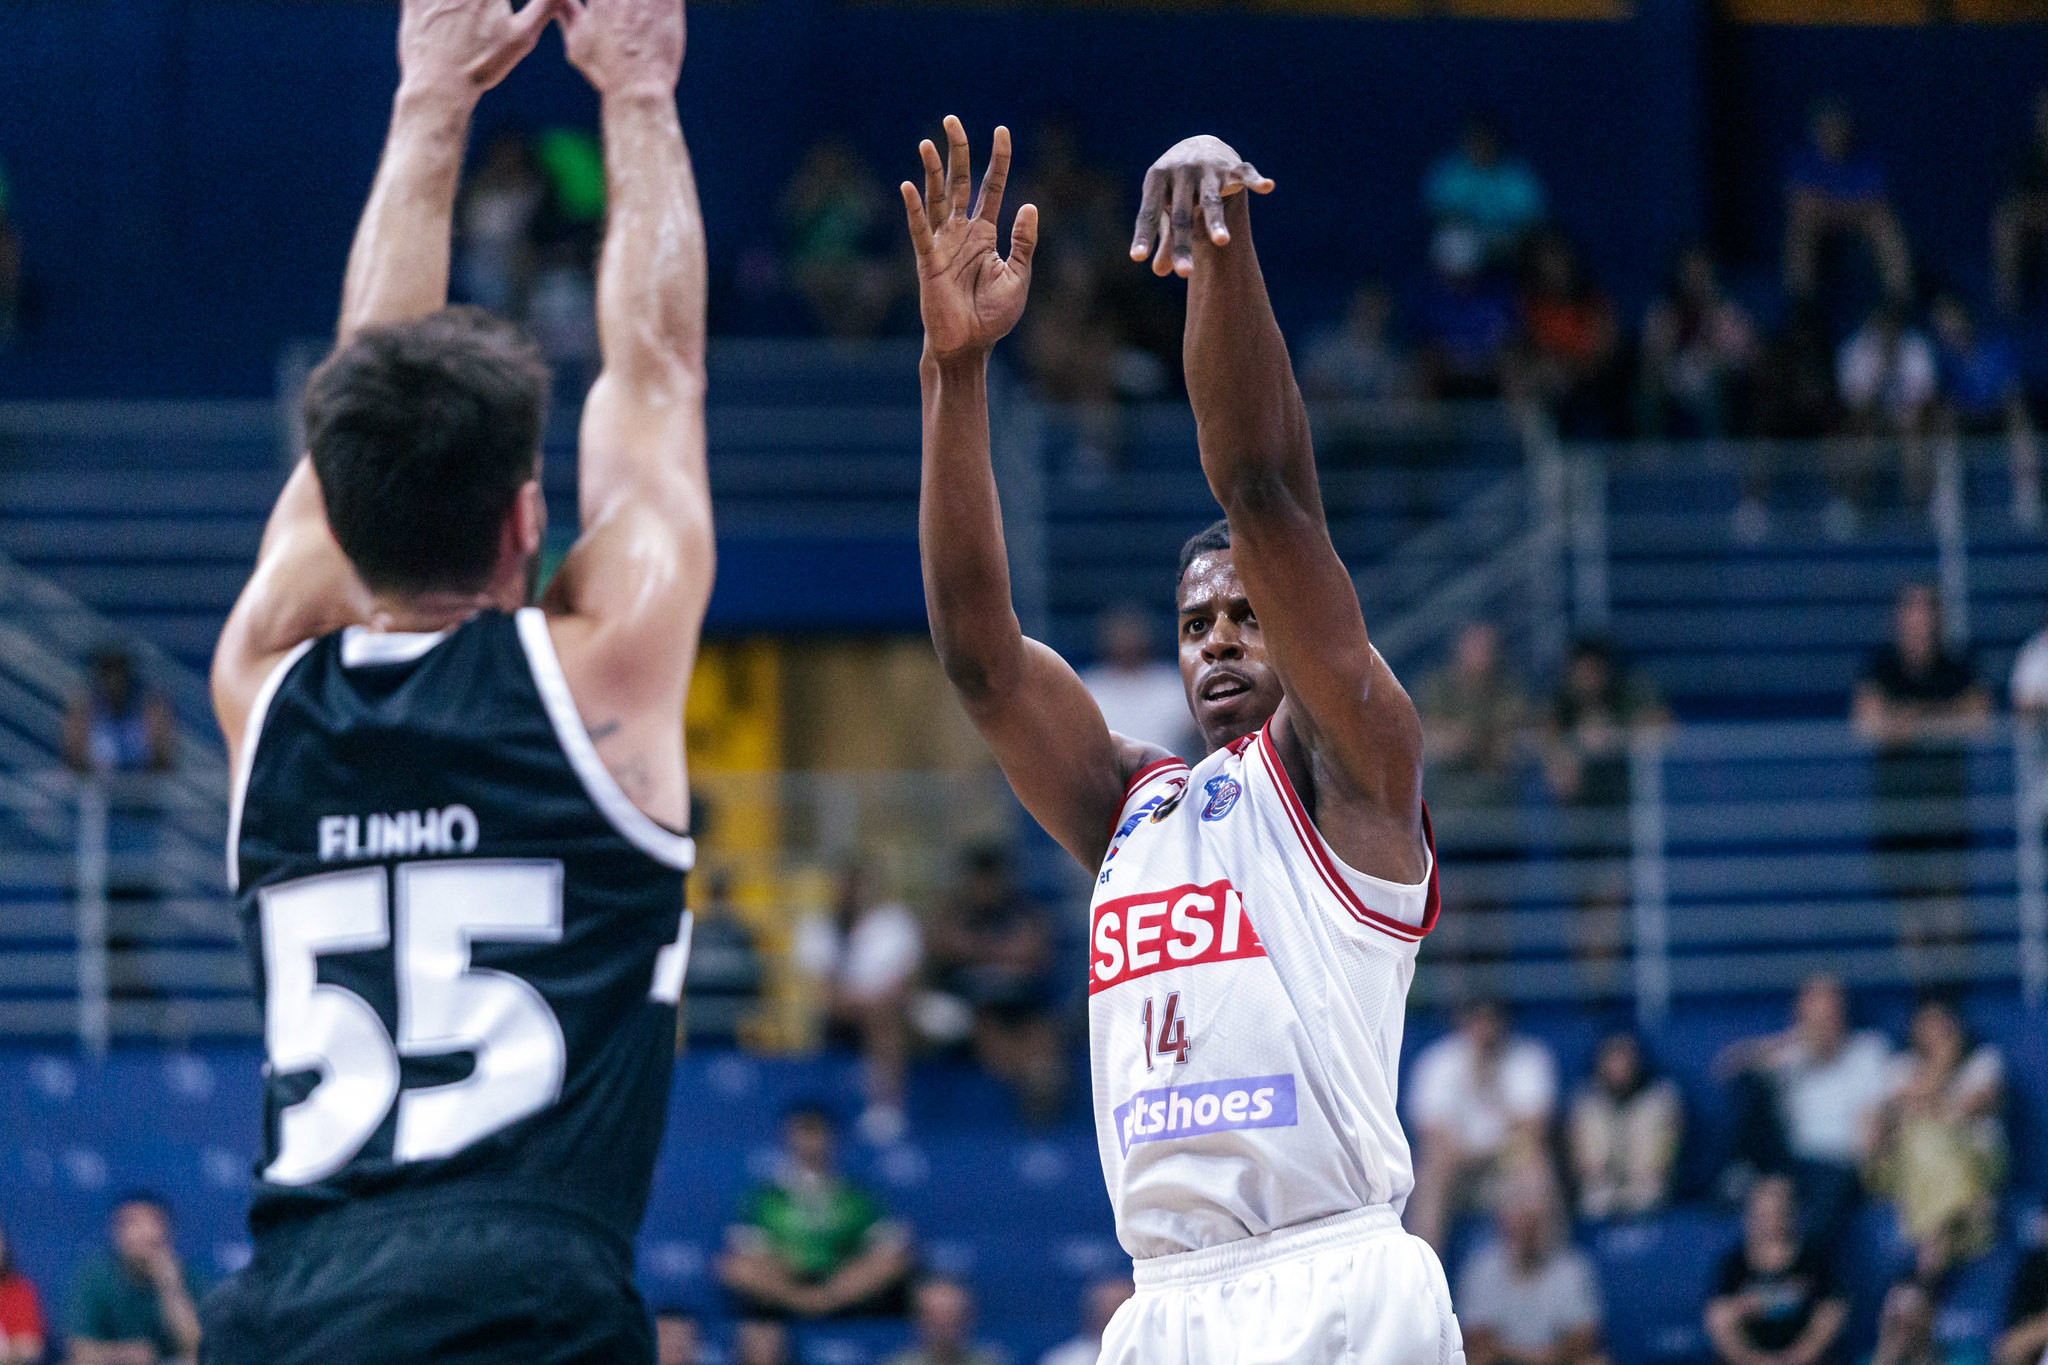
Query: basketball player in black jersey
{"points": [[456, 830]]}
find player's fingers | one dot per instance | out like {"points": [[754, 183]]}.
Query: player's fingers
{"points": [[1145, 235], [959, 169], [1024, 239], [995, 178], [934, 183], [1247, 177], [920, 225], [1183, 222], [528, 22], [1212, 207]]}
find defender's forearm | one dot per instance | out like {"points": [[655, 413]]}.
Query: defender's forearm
{"points": [[1248, 410], [651, 281], [398, 267], [960, 531]]}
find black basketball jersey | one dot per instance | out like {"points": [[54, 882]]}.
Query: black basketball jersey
{"points": [[468, 942]]}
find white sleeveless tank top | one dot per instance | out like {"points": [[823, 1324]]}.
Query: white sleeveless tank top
{"points": [[1247, 992]]}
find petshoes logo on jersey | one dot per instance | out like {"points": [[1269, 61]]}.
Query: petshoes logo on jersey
{"points": [[1139, 935], [1184, 1111]]}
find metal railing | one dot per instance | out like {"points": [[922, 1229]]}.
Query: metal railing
{"points": [[1744, 857]]}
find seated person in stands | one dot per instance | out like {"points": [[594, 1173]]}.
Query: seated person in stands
{"points": [[1527, 1296], [761, 1341], [116, 725], [21, 1312], [135, 1304], [1464, 321], [1938, 1151], [945, 1329], [1805, 1102], [723, 984], [1098, 1305], [1625, 1127], [1834, 191], [1481, 1100], [1358, 361], [1982, 395], [1699, 350], [992, 947], [676, 1339], [2025, 1338], [1905, 1329], [867, 958], [809, 1243], [1775, 1300]]}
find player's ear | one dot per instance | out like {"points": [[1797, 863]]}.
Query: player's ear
{"points": [[529, 519]]}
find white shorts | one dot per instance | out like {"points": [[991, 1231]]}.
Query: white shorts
{"points": [[1350, 1289]]}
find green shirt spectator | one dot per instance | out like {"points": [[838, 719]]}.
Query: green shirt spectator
{"points": [[136, 1301], [813, 1226], [113, 1301]]}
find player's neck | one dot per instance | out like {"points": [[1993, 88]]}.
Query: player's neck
{"points": [[427, 612]]}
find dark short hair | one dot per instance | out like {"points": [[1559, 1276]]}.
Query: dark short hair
{"points": [[422, 433], [148, 1197], [1208, 540]]}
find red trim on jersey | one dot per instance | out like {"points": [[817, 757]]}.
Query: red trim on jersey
{"points": [[1142, 776], [1325, 862]]}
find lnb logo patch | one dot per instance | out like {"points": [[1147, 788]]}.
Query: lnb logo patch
{"points": [[1223, 793]]}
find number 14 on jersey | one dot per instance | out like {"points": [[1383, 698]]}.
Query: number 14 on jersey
{"points": [[1172, 1037]]}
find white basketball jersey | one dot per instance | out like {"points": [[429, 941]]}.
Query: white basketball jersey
{"points": [[1247, 992]]}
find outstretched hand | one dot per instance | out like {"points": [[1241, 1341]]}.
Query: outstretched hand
{"points": [[970, 295], [624, 46], [467, 46], [1201, 168]]}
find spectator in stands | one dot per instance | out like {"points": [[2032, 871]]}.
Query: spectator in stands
{"points": [[10, 271], [116, 724], [1479, 186], [2025, 1337], [1625, 1128], [1887, 379], [810, 1243], [1834, 191], [1905, 1329], [1774, 1298], [1359, 361], [1939, 1147], [1569, 340], [762, 1341], [1481, 1100], [561, 313], [1805, 1102], [2028, 685], [1920, 703], [22, 1333], [1699, 351], [135, 1304], [676, 1340], [1475, 715], [868, 956], [1071, 347], [945, 1329], [495, 222], [2019, 225], [1981, 395], [1140, 693], [1098, 1305], [993, 949], [835, 214], [1464, 321], [723, 985], [1527, 1296]]}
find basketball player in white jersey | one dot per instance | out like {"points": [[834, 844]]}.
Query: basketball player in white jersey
{"points": [[1255, 919]]}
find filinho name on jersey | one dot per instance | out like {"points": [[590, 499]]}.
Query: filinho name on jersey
{"points": [[1183, 1111], [451, 829], [1135, 936]]}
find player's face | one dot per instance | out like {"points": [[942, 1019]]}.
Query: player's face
{"points": [[1231, 686]]}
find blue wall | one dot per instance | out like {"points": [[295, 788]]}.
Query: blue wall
{"points": [[186, 172]]}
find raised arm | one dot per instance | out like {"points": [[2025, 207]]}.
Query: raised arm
{"points": [[449, 53], [627, 606], [1346, 726], [1067, 768]]}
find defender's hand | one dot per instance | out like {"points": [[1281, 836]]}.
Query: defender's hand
{"points": [[969, 295], [1201, 168], [625, 46], [466, 46]]}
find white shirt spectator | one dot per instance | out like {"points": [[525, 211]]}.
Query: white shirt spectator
{"points": [[1827, 1104], [1898, 380], [1077, 1351], [882, 951], [2030, 675], [1529, 1313], [1147, 703], [1451, 1091]]}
